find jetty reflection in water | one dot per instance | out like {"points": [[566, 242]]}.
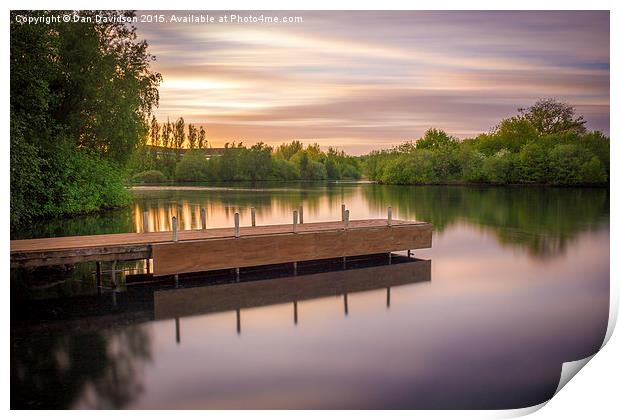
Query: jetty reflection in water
{"points": [[236, 296], [111, 331]]}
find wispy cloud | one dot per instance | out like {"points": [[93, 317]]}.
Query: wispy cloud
{"points": [[362, 80]]}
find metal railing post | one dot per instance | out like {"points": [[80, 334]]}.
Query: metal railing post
{"points": [[175, 234], [203, 218]]}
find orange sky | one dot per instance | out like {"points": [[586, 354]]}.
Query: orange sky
{"points": [[367, 80]]}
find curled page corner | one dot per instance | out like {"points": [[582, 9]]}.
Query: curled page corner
{"points": [[613, 317], [520, 412], [570, 369]]}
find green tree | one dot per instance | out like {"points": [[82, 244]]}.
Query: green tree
{"points": [[303, 161], [566, 162], [598, 144], [166, 134], [178, 136], [257, 162], [287, 150], [411, 168], [593, 172], [500, 168], [445, 163], [513, 133], [98, 87], [202, 138], [333, 172], [315, 170], [471, 162], [192, 136], [192, 167], [284, 170], [550, 116], [350, 171], [534, 163], [80, 92], [154, 132], [434, 139]]}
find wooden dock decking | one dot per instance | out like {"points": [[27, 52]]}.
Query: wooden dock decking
{"points": [[219, 248]]}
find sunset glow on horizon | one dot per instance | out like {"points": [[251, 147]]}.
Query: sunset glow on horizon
{"points": [[361, 81]]}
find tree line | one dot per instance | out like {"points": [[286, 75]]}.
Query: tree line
{"points": [[544, 144], [260, 162]]}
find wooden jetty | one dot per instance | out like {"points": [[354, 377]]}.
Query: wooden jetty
{"points": [[235, 247]]}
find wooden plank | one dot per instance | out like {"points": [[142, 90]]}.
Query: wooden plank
{"points": [[247, 251], [229, 297], [62, 257], [88, 241]]}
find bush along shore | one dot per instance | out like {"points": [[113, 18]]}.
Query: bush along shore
{"points": [[545, 144]]}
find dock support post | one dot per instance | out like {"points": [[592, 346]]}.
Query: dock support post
{"points": [[237, 274], [346, 219], [389, 216], [175, 234], [176, 281], [346, 305], [294, 221], [344, 263], [203, 218], [388, 297], [99, 275], [301, 215], [253, 211], [408, 253], [295, 312], [237, 229], [295, 268], [389, 258], [177, 328], [342, 210], [239, 321], [114, 274], [145, 222]]}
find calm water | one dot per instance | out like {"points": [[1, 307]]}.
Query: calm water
{"points": [[517, 282]]}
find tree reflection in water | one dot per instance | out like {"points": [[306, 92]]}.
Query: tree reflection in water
{"points": [[101, 369], [540, 220]]}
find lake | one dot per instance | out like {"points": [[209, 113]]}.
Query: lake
{"points": [[516, 283]]}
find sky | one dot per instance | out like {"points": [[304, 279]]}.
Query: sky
{"points": [[367, 80]]}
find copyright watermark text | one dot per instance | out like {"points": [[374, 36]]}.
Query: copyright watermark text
{"points": [[175, 18]]}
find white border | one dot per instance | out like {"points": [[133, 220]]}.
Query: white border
{"points": [[592, 394]]}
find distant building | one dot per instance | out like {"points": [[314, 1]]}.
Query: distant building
{"points": [[173, 151]]}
